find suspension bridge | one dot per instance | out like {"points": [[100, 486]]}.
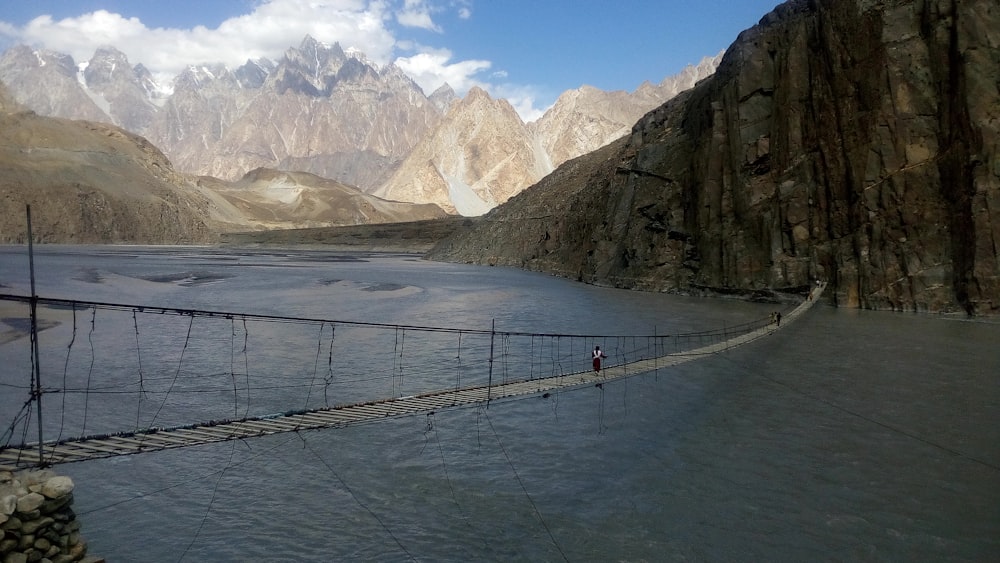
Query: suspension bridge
{"points": [[489, 376]]}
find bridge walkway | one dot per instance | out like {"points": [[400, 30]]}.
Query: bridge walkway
{"points": [[156, 439]]}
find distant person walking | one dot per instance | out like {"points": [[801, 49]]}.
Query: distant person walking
{"points": [[598, 355]]}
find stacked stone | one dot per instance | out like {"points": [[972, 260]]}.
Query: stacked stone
{"points": [[37, 522]]}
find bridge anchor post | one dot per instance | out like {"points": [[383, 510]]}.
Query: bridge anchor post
{"points": [[36, 375], [489, 384]]}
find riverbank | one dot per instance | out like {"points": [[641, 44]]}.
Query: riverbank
{"points": [[412, 237]]}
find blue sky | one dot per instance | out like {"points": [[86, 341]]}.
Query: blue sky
{"points": [[528, 51]]}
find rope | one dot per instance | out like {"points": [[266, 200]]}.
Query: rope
{"points": [[432, 428], [458, 374], [177, 372], [138, 354], [745, 327], [527, 495], [22, 415], [328, 380], [319, 350], [246, 364], [232, 366], [211, 502], [504, 353], [69, 350], [350, 491], [90, 371], [182, 483]]}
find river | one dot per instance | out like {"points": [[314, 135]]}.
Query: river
{"points": [[854, 435]]}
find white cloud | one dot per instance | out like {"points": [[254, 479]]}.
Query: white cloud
{"points": [[269, 30], [523, 98], [463, 8], [430, 69], [416, 13]]}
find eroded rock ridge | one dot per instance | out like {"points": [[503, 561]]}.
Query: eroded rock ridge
{"points": [[849, 141]]}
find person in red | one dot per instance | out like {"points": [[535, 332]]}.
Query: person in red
{"points": [[598, 354]]}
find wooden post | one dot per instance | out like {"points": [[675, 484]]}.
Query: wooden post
{"points": [[489, 385], [36, 376]]}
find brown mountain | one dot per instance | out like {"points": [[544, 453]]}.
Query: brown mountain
{"points": [[482, 153], [586, 119], [274, 199], [849, 141], [478, 157], [89, 182]]}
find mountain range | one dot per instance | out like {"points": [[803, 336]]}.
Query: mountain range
{"points": [[336, 115], [92, 182]]}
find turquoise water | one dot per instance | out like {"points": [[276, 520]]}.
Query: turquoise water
{"points": [[854, 436]]}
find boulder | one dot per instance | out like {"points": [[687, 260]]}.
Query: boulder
{"points": [[29, 503], [56, 487]]}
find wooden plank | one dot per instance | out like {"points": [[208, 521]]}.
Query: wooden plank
{"points": [[205, 437], [433, 402], [69, 449], [96, 445], [322, 418], [270, 425], [370, 411], [147, 440], [290, 423], [165, 436], [117, 446], [16, 454]]}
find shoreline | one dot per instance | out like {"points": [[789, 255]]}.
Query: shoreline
{"points": [[415, 240]]}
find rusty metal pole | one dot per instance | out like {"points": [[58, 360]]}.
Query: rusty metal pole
{"points": [[36, 376], [489, 383]]}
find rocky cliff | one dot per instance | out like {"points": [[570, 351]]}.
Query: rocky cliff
{"points": [[481, 153], [45, 82], [585, 119], [850, 141], [478, 157], [317, 110]]}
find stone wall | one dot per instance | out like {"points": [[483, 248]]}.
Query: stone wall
{"points": [[37, 520]]}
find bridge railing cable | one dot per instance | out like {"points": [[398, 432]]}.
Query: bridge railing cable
{"points": [[144, 367]]}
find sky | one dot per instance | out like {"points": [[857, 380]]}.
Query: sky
{"points": [[527, 51]]}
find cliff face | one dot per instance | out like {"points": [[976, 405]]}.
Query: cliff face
{"points": [[478, 156], [852, 141]]}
